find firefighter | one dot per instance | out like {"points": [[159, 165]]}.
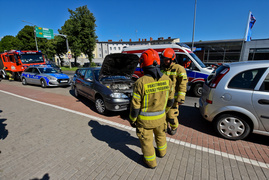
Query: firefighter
{"points": [[178, 75], [153, 95]]}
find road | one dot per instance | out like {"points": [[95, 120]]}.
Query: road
{"points": [[48, 124]]}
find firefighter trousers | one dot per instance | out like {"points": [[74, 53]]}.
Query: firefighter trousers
{"points": [[172, 116], [146, 139]]}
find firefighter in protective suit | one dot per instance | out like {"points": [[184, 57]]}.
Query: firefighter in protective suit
{"points": [[153, 95], [178, 75]]}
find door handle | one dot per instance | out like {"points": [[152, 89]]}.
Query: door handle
{"points": [[263, 101]]}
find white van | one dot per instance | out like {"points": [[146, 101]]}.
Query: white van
{"points": [[197, 72]]}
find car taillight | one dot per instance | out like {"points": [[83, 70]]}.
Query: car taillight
{"points": [[218, 77], [209, 101]]}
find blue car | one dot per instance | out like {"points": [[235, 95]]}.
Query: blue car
{"points": [[44, 76]]}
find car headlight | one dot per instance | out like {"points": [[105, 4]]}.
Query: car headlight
{"points": [[52, 78], [118, 95]]}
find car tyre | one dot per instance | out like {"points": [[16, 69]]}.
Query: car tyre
{"points": [[100, 105], [231, 127], [43, 83], [198, 89], [23, 81]]}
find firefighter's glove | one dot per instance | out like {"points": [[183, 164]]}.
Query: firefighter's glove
{"points": [[133, 124], [132, 121]]}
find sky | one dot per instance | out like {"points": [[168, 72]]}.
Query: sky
{"points": [[133, 19]]}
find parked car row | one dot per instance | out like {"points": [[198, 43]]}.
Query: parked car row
{"points": [[235, 97]]}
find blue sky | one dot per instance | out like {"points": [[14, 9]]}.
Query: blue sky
{"points": [[133, 19]]}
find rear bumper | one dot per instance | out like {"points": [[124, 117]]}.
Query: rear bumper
{"points": [[203, 108]]}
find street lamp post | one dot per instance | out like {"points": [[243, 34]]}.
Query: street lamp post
{"points": [[67, 46], [34, 32]]}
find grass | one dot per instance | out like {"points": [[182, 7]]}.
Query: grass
{"points": [[67, 68]]}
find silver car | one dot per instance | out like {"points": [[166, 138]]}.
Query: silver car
{"points": [[236, 99], [45, 76]]}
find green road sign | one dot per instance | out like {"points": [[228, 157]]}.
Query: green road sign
{"points": [[44, 32]]}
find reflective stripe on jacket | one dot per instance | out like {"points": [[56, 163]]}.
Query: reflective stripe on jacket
{"points": [[151, 96], [178, 75]]}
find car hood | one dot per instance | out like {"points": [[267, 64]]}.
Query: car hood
{"points": [[119, 65], [58, 75]]}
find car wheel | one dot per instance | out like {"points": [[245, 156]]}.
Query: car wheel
{"points": [[231, 127], [198, 89], [23, 81], [43, 83], [76, 92], [100, 105]]}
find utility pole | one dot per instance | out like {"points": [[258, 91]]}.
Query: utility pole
{"points": [[34, 32], [193, 26], [67, 46]]}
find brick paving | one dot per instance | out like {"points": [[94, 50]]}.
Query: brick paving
{"points": [[84, 147]]}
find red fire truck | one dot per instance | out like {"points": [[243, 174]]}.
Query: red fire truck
{"points": [[14, 62]]}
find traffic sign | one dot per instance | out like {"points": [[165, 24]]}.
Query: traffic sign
{"points": [[44, 32]]}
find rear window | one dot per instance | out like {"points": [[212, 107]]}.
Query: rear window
{"points": [[215, 74], [246, 79]]}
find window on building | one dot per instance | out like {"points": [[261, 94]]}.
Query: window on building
{"points": [[258, 54], [110, 48]]}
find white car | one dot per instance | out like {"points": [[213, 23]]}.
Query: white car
{"points": [[236, 99]]}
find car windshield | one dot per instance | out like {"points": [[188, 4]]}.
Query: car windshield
{"points": [[31, 58], [48, 70], [198, 60], [96, 74]]}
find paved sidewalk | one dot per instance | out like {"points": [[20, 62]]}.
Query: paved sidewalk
{"points": [[59, 143]]}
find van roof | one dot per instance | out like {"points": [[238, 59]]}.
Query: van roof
{"points": [[159, 48]]}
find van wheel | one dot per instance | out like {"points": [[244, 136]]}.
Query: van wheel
{"points": [[198, 89], [43, 83], [23, 81], [231, 127], [100, 105]]}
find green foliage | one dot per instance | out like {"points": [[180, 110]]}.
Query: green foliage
{"points": [[27, 37], [67, 68], [93, 64], [9, 43], [80, 30]]}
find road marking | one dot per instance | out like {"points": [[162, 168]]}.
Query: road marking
{"points": [[186, 144]]}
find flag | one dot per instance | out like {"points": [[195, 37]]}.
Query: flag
{"points": [[251, 22]]}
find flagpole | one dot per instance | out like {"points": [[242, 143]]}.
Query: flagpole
{"points": [[193, 26], [245, 37], [247, 28]]}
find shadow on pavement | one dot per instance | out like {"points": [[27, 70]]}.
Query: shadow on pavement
{"points": [[45, 177], [90, 104], [116, 139], [3, 130], [191, 117]]}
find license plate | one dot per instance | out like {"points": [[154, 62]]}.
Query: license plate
{"points": [[63, 81]]}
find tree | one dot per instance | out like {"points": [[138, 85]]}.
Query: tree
{"points": [[10, 42], [27, 36], [80, 31]]}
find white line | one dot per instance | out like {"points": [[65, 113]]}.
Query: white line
{"points": [[212, 151]]}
